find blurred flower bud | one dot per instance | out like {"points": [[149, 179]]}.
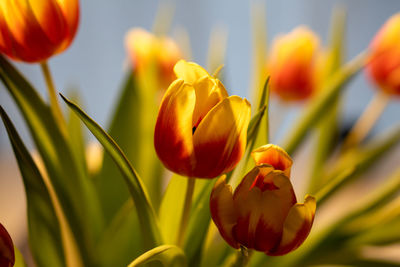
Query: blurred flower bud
{"points": [[384, 64], [33, 31], [291, 64], [146, 50], [200, 131]]}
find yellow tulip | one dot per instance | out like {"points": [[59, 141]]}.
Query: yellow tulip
{"points": [[200, 131], [384, 64], [34, 30], [291, 64], [263, 213]]}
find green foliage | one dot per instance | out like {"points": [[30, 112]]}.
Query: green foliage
{"points": [[145, 211], [44, 230], [73, 189]]}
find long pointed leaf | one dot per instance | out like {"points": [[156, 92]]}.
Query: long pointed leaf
{"points": [[145, 211], [327, 129], [125, 122], [44, 230], [74, 191]]}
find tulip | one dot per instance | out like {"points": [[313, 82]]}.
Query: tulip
{"points": [[7, 257], [291, 64], [145, 49], [33, 31], [263, 213], [200, 131], [384, 65]]}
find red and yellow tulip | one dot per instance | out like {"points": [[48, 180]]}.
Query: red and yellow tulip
{"points": [[7, 257], [145, 49], [34, 30], [263, 213], [200, 131], [384, 65], [291, 64]]}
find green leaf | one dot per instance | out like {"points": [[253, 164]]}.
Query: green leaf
{"points": [[147, 218], [323, 102], [352, 164], [124, 130], [120, 241], [167, 255], [76, 137], [19, 259], [74, 191], [170, 212], [44, 230], [327, 128]]}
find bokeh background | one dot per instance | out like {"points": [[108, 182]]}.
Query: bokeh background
{"points": [[96, 62]]}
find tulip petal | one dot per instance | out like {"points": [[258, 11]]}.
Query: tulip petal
{"points": [[7, 257], [50, 18], [70, 9], [26, 39], [297, 226], [173, 131], [261, 214], [188, 71], [246, 184], [275, 156], [209, 92], [274, 208], [223, 211], [220, 139]]}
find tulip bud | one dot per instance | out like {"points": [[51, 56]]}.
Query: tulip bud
{"points": [[291, 64], [7, 257], [33, 31], [200, 131], [263, 213], [145, 49], [384, 64]]}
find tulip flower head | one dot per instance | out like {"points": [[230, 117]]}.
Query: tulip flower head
{"points": [[200, 131], [384, 64], [291, 64], [263, 213], [7, 257], [33, 31], [145, 49]]}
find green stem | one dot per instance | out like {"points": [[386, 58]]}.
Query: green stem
{"points": [[186, 211], [51, 89], [242, 257]]}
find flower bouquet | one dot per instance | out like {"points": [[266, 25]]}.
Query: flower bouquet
{"points": [[186, 174]]}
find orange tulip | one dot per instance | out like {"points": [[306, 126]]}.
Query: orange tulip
{"points": [[263, 213], [200, 131], [291, 64], [7, 257], [34, 30], [384, 66], [145, 49]]}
